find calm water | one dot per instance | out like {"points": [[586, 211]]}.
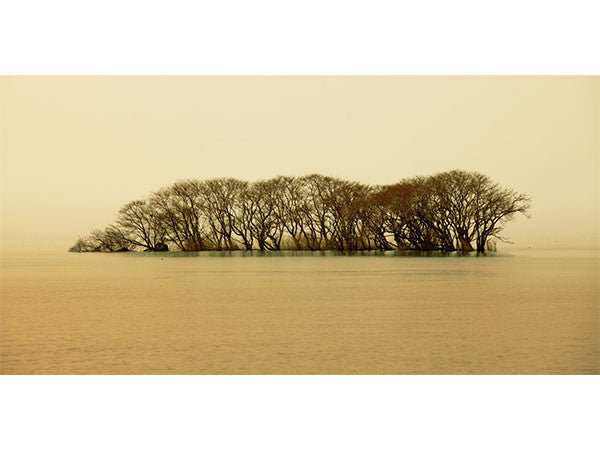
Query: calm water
{"points": [[523, 312]]}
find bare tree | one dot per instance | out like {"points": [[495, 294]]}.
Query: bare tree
{"points": [[110, 239], [495, 207], [287, 196], [447, 211], [265, 226], [142, 225], [222, 209], [81, 245], [181, 209]]}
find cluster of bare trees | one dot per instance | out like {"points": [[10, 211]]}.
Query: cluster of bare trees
{"points": [[455, 210]]}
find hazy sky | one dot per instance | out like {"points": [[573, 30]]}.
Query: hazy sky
{"points": [[74, 149]]}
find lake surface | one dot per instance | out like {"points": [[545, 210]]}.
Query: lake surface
{"points": [[517, 312]]}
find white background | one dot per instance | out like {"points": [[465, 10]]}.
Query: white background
{"points": [[299, 412], [308, 37], [303, 37]]}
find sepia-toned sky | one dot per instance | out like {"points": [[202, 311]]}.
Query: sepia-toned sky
{"points": [[74, 149]]}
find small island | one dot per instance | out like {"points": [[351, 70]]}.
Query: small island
{"points": [[450, 211]]}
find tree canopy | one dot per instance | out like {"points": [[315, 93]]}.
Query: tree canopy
{"points": [[450, 211]]}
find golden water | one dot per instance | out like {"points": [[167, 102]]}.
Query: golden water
{"points": [[522, 312]]}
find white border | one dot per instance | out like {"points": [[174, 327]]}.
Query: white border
{"points": [[289, 412], [308, 37]]}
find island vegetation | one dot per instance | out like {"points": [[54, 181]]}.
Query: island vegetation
{"points": [[451, 211]]}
